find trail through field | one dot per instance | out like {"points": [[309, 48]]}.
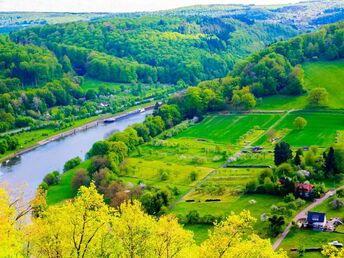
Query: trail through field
{"points": [[303, 214], [233, 157]]}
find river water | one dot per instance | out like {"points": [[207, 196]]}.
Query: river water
{"points": [[28, 170]]}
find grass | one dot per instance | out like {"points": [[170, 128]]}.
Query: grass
{"points": [[200, 231], [328, 75], [320, 130], [63, 191], [186, 151], [175, 174], [228, 129], [308, 238], [324, 74], [94, 84]]}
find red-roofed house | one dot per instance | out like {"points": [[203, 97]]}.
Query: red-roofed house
{"points": [[304, 190]]}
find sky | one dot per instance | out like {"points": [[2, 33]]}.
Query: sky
{"points": [[116, 5]]}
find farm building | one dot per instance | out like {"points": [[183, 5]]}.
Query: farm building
{"points": [[316, 220]]}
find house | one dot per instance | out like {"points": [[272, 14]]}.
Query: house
{"points": [[316, 220], [304, 190]]}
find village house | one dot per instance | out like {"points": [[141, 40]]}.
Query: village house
{"points": [[304, 190], [316, 220]]}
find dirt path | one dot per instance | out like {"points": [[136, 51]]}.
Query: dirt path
{"points": [[233, 157], [303, 214]]}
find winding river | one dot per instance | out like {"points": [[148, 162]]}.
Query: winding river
{"points": [[28, 170]]}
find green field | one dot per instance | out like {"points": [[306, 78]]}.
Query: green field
{"points": [[327, 75], [63, 191], [229, 129], [324, 74], [320, 130]]}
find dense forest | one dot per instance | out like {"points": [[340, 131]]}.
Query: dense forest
{"points": [[151, 49]]}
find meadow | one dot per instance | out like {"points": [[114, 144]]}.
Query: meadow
{"points": [[321, 128], [229, 129], [322, 74]]}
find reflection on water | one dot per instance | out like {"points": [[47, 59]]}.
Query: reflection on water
{"points": [[31, 167]]}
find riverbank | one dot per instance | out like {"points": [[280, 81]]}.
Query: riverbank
{"points": [[79, 126]]}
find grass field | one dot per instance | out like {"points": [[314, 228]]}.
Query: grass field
{"points": [[186, 151], [63, 191], [307, 239], [229, 129], [324, 74], [320, 130], [328, 75], [173, 173]]}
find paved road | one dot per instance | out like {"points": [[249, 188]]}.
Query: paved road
{"points": [[303, 214]]}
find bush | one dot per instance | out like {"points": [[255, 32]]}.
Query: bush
{"points": [[192, 217], [80, 178], [52, 178], [336, 204], [70, 164], [340, 193], [44, 186], [193, 176], [252, 185], [289, 198]]}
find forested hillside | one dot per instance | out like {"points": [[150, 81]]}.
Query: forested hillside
{"points": [[151, 49]]}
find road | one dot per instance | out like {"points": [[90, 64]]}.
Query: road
{"points": [[303, 214]]}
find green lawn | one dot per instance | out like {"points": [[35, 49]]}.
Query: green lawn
{"points": [[320, 130], [329, 75], [324, 74], [94, 84], [229, 128], [308, 238], [63, 191]]}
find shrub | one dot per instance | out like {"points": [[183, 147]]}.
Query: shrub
{"points": [[336, 204], [70, 164], [193, 217], [340, 193], [52, 178], [193, 176], [252, 185], [80, 178], [289, 198]]}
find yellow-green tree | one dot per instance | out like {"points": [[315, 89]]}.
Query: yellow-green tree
{"points": [[170, 239], [11, 243]]}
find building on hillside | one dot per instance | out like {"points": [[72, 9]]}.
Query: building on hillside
{"points": [[304, 190], [316, 220]]}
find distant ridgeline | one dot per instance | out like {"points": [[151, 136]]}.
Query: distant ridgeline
{"points": [[276, 69], [154, 49]]}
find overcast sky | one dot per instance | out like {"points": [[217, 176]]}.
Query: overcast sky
{"points": [[116, 5]]}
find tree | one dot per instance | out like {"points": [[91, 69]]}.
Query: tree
{"points": [[79, 179], [170, 239], [284, 170], [300, 123], [282, 153], [134, 229], [330, 162], [318, 97], [99, 148], [297, 159], [337, 204], [275, 224], [72, 163], [11, 240]]}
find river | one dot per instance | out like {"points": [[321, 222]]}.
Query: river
{"points": [[26, 172]]}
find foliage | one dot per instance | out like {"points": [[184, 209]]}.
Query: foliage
{"points": [[300, 123], [72, 163], [318, 97], [282, 153]]}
